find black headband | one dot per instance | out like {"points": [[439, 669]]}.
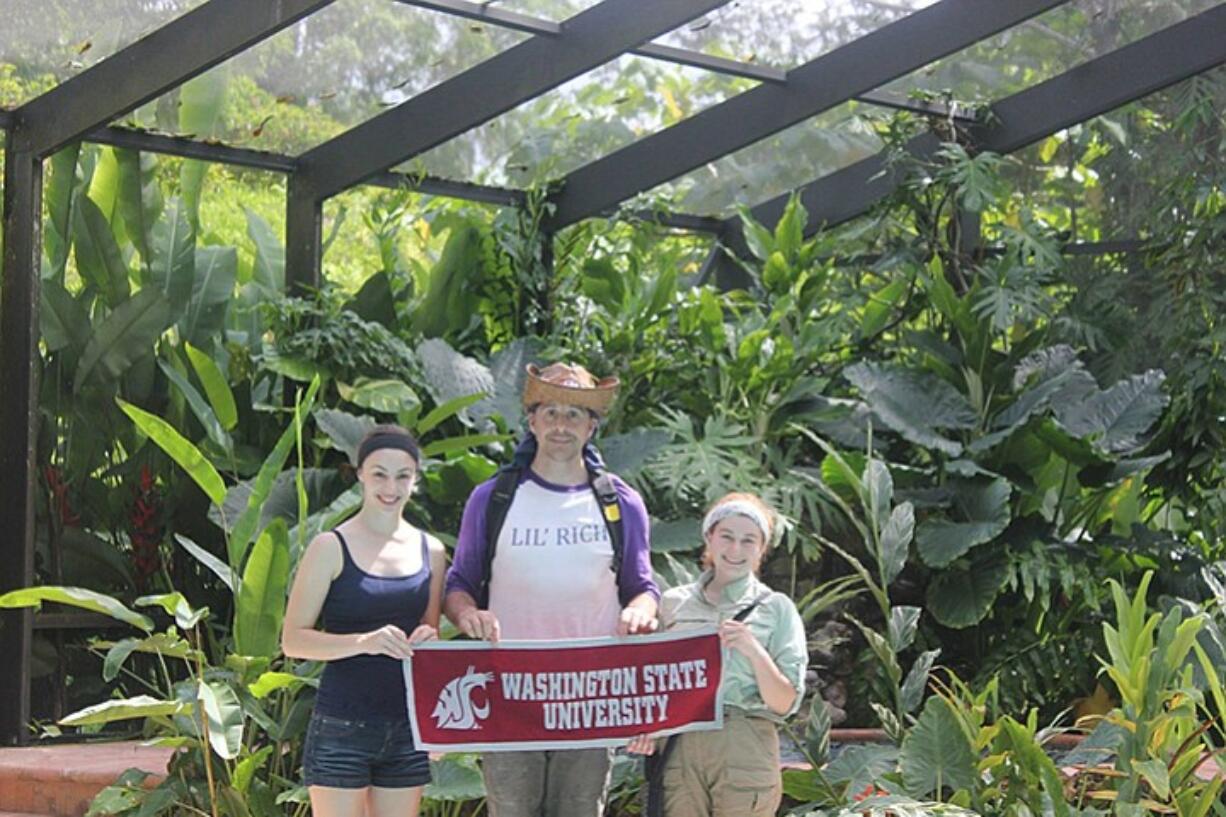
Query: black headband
{"points": [[388, 439]]}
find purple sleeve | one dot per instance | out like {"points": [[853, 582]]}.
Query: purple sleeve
{"points": [[467, 571], [636, 577]]}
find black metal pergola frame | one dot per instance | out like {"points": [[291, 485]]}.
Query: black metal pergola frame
{"points": [[83, 107]]}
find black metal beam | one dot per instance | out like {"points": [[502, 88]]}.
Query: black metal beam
{"points": [[19, 297], [183, 48], [502, 82], [829, 80], [1104, 84], [170, 145], [1091, 89]]}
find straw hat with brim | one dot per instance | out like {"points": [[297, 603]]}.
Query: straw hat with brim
{"points": [[571, 385]]}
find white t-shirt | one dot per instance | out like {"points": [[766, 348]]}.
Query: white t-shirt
{"points": [[552, 574]]}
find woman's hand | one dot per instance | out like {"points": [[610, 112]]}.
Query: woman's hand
{"points": [[641, 745], [736, 635], [423, 633], [389, 640]]}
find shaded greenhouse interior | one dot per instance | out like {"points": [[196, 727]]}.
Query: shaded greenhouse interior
{"points": [[448, 97]]}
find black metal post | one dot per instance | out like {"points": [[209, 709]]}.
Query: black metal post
{"points": [[303, 237], [19, 296]]}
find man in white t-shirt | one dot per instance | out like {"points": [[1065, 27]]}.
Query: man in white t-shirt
{"points": [[555, 573]]}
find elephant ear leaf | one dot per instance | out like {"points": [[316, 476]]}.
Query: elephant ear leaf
{"points": [[1116, 419], [985, 512], [936, 755], [915, 404], [961, 597]]}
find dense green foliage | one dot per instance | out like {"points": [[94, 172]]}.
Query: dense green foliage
{"points": [[991, 454]]}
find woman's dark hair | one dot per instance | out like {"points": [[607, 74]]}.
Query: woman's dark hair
{"points": [[388, 436]]}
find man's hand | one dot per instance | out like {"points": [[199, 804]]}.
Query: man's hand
{"points": [[634, 620], [479, 624]]}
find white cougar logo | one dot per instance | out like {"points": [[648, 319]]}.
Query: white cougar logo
{"points": [[455, 708]]}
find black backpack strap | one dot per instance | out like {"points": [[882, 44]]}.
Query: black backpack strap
{"points": [[611, 510], [495, 515]]}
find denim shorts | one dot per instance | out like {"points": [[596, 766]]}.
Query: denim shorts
{"points": [[353, 754]]}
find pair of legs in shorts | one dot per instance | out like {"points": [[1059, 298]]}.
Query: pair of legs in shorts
{"points": [[356, 768], [562, 783]]}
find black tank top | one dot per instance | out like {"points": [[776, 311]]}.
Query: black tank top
{"points": [[370, 687]]}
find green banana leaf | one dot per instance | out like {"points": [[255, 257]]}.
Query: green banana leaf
{"points": [[215, 386], [99, 259], [76, 597], [59, 195], [216, 270], [123, 337], [261, 600], [139, 200], [179, 449], [172, 266], [201, 102]]}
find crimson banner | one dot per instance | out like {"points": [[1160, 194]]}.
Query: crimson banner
{"points": [[474, 696]]}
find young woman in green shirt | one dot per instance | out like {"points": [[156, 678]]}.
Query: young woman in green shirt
{"points": [[735, 770]]}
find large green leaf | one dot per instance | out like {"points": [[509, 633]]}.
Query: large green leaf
{"points": [[246, 525], [172, 267], [936, 756], [985, 515], [464, 442], [456, 777], [179, 449], [322, 486], [219, 568], [625, 454], [261, 601], [387, 396], [269, 269], [862, 766], [450, 375], [962, 597], [375, 302], [880, 307], [98, 257], [123, 337], [344, 430], [215, 386], [76, 597], [142, 706], [915, 404], [508, 368], [139, 199], [201, 101], [62, 318], [1117, 418], [175, 604], [676, 535], [225, 717], [61, 191], [212, 290], [199, 406]]}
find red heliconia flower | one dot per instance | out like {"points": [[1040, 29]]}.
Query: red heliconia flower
{"points": [[145, 529], [60, 502]]}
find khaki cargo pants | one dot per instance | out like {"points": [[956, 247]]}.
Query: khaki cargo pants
{"points": [[564, 783], [732, 772]]}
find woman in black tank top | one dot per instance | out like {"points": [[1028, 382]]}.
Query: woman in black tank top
{"points": [[376, 582]]}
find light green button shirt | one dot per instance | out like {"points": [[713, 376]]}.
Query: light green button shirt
{"points": [[774, 622]]}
